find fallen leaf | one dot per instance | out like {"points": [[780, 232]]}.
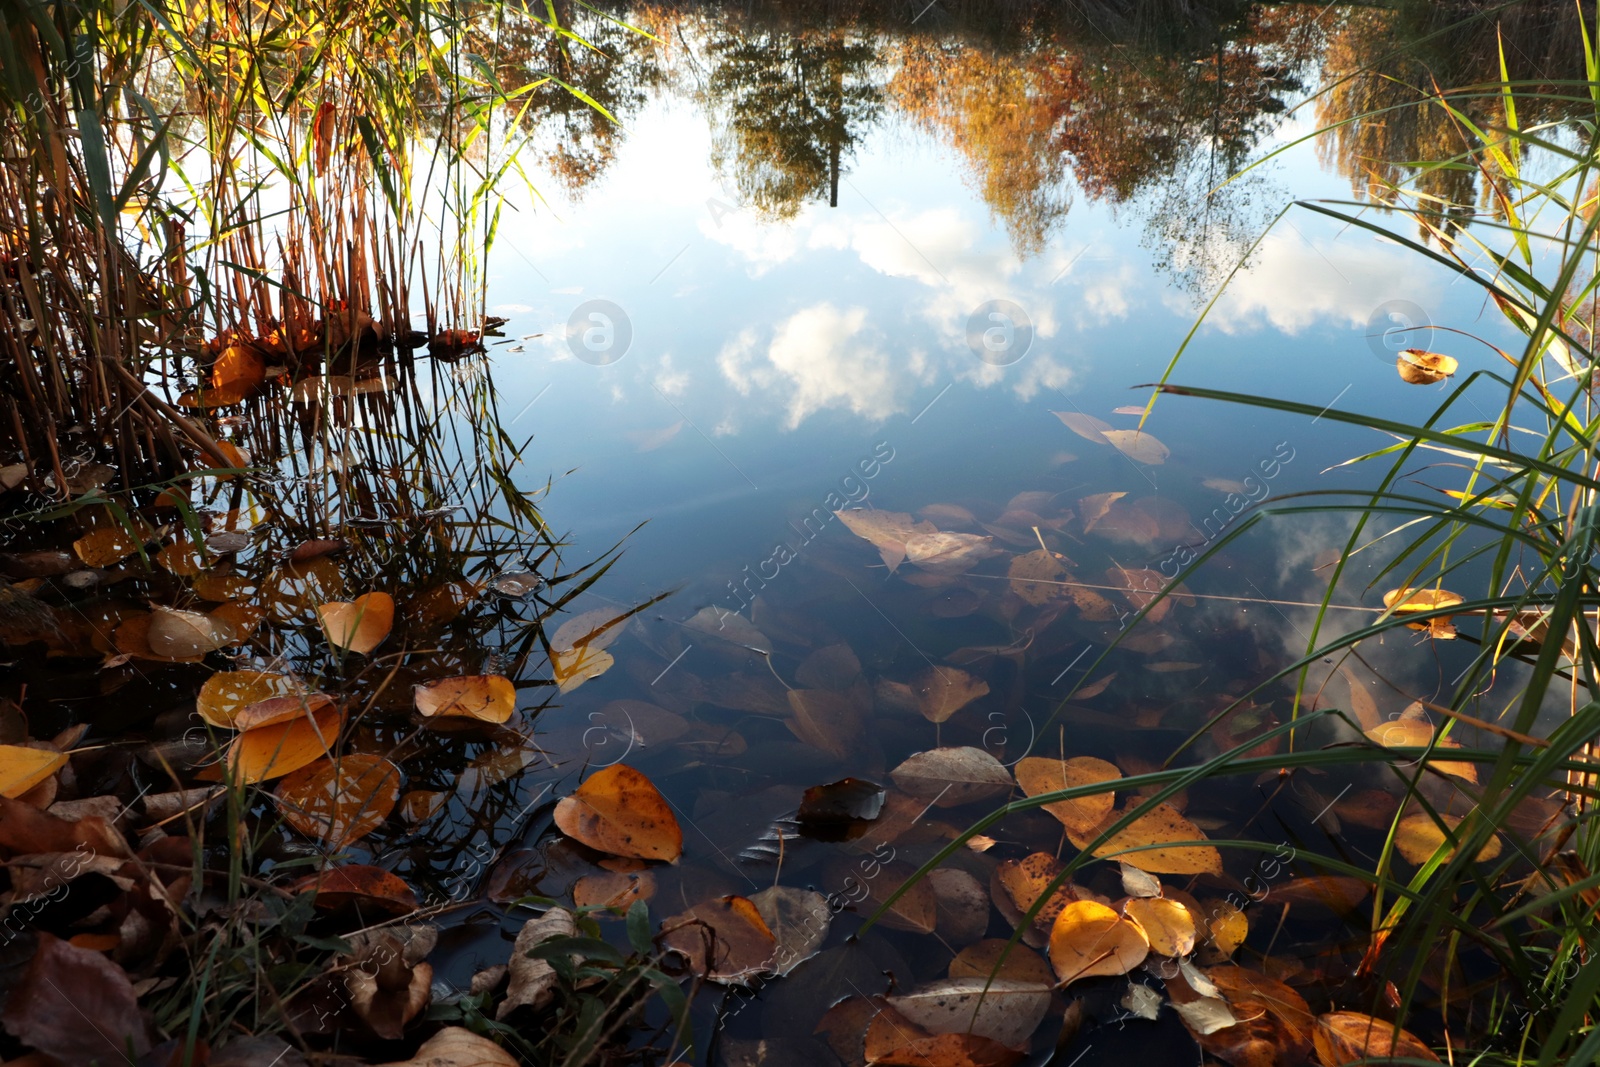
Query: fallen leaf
{"points": [[953, 776], [620, 812], [1086, 426], [65, 985], [455, 1046], [1017, 884], [1161, 824], [358, 883], [532, 982], [1343, 1037], [274, 710], [1137, 883], [275, 750], [574, 666], [1418, 367], [961, 904], [798, 920], [1227, 927], [616, 890], [359, 626], [1138, 445], [182, 634], [1081, 815], [1001, 1010], [724, 940], [731, 627], [22, 768], [943, 691], [1142, 1001], [948, 553], [949, 1050], [1090, 939], [1273, 1023], [339, 801], [997, 957], [1206, 1015], [1412, 733], [489, 697], [1034, 574], [832, 722], [887, 531], [1418, 837], [839, 804], [107, 546], [1167, 923], [833, 667]]}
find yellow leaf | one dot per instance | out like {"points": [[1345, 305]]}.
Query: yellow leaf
{"points": [[1090, 939], [1418, 837], [489, 697], [1038, 774], [1162, 823], [275, 750], [575, 666], [1417, 733], [22, 768], [227, 693], [1424, 368], [619, 811], [1167, 923]]}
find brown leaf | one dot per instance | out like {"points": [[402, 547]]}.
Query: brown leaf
{"points": [[533, 981], [953, 776], [356, 882], [1034, 576], [950, 1050], [225, 694], [888, 531], [1274, 1023], [997, 957], [1086, 426], [1002, 1010], [1343, 1037], [943, 691], [832, 722], [619, 811], [65, 985], [724, 940], [1417, 367], [455, 1046], [948, 553], [1140, 446], [488, 697]]}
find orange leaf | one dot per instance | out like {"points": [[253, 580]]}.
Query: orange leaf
{"points": [[1038, 774], [339, 801], [22, 768], [1090, 939], [619, 811], [1350, 1037], [357, 882], [275, 750], [489, 697], [359, 626]]}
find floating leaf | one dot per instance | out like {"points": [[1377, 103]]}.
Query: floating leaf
{"points": [[1167, 923], [1274, 1023], [132, 637], [1409, 601], [838, 804], [358, 883], [1137, 883], [997, 957], [619, 811], [798, 919], [1138, 445], [1081, 815], [1086, 426], [888, 531], [359, 626], [456, 1046], [107, 546], [22, 768], [1017, 884], [339, 801], [575, 666], [999, 1009], [1228, 927], [182, 634], [613, 889], [1418, 837], [595, 629], [489, 697], [725, 940], [943, 691], [1424, 368], [275, 750], [1413, 733], [1343, 1037], [1206, 1015], [953, 776], [274, 710], [1161, 824], [1090, 939]]}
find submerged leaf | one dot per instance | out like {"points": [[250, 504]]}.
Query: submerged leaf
{"points": [[339, 801], [724, 940], [1039, 774], [1161, 824], [888, 531], [1000, 1009], [1343, 1037], [1418, 837], [943, 691], [1090, 939], [953, 776]]}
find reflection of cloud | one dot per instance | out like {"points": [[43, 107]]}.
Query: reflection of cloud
{"points": [[671, 382], [820, 357], [761, 244], [1291, 285]]}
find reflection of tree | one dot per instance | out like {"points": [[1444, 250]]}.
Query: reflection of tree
{"points": [[793, 105], [988, 107], [615, 67], [1380, 131]]}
